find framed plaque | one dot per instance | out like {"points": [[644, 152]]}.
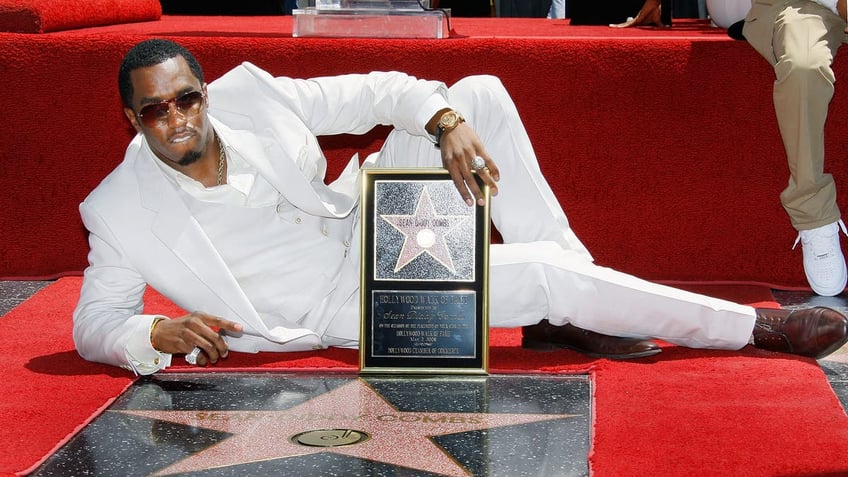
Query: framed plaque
{"points": [[425, 273]]}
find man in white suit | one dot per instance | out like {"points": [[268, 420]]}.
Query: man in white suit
{"points": [[220, 204]]}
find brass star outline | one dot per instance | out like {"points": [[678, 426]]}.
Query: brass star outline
{"points": [[397, 438]]}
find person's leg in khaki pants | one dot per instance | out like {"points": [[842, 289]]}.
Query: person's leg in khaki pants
{"points": [[799, 38]]}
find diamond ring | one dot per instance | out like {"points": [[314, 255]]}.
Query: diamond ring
{"points": [[478, 163], [191, 358]]}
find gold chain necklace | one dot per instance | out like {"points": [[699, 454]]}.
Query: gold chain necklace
{"points": [[222, 159]]}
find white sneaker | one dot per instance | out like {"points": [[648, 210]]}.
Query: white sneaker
{"points": [[824, 263]]}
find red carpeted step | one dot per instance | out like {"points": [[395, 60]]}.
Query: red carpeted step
{"points": [[42, 16]]}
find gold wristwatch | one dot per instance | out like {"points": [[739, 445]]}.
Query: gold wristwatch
{"points": [[449, 120]]}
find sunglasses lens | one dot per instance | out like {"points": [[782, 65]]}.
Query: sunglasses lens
{"points": [[187, 104], [153, 113]]}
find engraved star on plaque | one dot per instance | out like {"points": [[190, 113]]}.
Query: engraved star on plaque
{"points": [[424, 232]]}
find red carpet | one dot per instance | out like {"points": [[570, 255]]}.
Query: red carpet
{"points": [[661, 144], [685, 412]]}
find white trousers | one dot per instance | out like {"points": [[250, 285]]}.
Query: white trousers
{"points": [[542, 271]]}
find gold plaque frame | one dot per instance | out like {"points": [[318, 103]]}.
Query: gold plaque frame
{"points": [[424, 275]]}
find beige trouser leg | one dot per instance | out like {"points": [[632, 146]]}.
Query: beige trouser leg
{"points": [[799, 38]]}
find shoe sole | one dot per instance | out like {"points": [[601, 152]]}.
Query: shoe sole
{"points": [[547, 346], [826, 292]]}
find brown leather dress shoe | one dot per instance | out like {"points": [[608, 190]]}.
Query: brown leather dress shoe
{"points": [[814, 332], [547, 337]]}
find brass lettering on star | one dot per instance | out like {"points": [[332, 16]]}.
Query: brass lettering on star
{"points": [[401, 418], [305, 418], [202, 416]]}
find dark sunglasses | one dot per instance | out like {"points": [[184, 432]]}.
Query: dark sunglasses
{"points": [[187, 104]]}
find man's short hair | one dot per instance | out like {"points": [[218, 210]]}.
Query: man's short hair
{"points": [[150, 53]]}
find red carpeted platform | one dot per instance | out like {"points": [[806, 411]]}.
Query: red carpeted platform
{"points": [[661, 144]]}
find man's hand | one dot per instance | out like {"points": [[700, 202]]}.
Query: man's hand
{"points": [[181, 335], [459, 147]]}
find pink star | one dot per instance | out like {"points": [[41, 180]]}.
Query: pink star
{"points": [[424, 232], [398, 438]]}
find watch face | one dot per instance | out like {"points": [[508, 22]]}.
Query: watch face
{"points": [[449, 119]]}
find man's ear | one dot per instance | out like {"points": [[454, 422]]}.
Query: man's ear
{"points": [[130, 114]]}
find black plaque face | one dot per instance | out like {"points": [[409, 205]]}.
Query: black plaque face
{"points": [[424, 275]]}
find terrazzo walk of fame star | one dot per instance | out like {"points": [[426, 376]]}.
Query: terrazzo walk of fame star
{"points": [[295, 424]]}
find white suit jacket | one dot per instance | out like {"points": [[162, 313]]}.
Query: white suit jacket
{"points": [[141, 232]]}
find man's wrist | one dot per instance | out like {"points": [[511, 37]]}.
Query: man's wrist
{"points": [[448, 121], [153, 327]]}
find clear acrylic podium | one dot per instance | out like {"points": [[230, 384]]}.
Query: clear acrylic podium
{"points": [[370, 19]]}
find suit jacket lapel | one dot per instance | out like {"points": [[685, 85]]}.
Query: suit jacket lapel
{"points": [[182, 234], [296, 175]]}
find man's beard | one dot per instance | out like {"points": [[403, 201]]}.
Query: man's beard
{"points": [[189, 158]]}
